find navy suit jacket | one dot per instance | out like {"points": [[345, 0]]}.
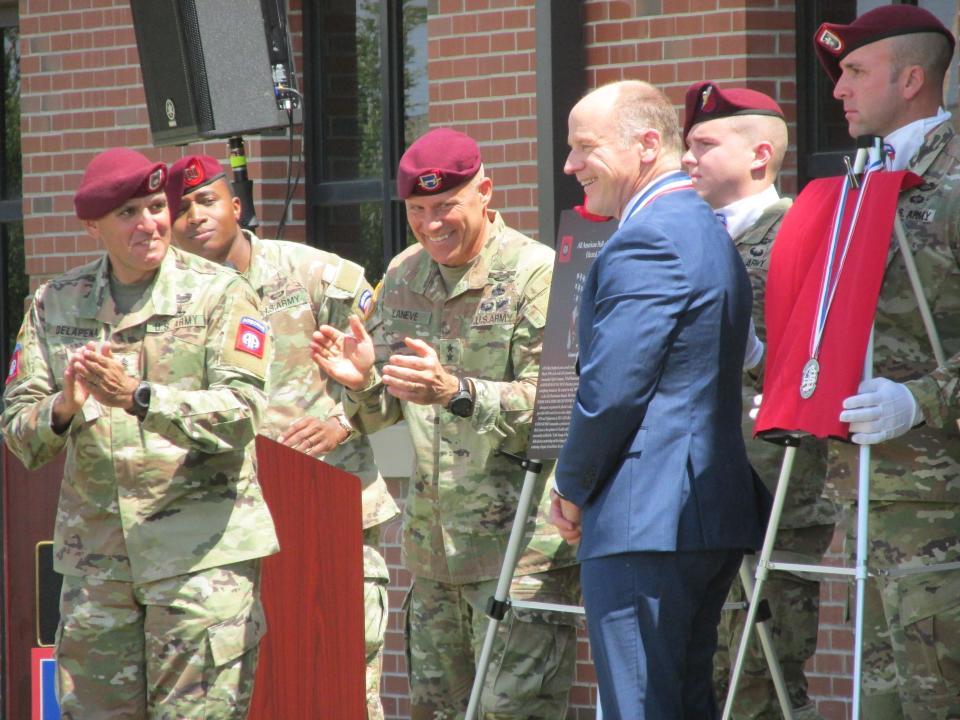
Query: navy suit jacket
{"points": [[654, 456]]}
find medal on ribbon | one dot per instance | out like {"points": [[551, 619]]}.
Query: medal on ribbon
{"points": [[832, 271]]}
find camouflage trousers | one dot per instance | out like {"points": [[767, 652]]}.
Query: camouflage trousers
{"points": [[533, 658], [182, 647], [795, 606], [911, 650], [375, 612]]}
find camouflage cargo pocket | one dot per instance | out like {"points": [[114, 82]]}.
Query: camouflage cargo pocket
{"points": [[930, 616], [233, 638]]}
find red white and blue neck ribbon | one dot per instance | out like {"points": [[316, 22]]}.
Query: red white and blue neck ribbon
{"points": [[663, 186], [832, 271]]}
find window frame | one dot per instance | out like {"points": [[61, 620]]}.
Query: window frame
{"points": [[320, 192]]}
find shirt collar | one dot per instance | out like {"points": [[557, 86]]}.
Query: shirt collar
{"points": [[906, 140], [743, 213]]}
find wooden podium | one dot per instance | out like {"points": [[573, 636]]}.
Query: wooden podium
{"points": [[312, 657], [29, 600]]}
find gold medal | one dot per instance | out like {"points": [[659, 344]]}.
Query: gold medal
{"points": [[808, 381]]}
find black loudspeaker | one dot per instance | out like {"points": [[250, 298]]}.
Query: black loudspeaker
{"points": [[213, 68]]}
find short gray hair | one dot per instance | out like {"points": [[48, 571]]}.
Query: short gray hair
{"points": [[639, 106]]}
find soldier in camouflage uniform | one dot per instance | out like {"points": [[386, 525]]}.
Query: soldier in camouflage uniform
{"points": [[737, 139], [149, 366], [889, 66], [457, 334], [300, 288]]}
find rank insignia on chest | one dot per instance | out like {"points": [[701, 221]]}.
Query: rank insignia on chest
{"points": [[14, 369], [251, 336]]}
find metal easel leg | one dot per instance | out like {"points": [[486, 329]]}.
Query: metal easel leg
{"points": [[863, 509], [761, 574], [499, 604], [917, 286], [765, 635]]}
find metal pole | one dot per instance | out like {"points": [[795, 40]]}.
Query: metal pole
{"points": [[763, 570], [863, 495], [917, 286], [499, 603], [863, 509], [242, 184], [766, 641]]}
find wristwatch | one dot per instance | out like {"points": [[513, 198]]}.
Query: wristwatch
{"points": [[461, 404], [344, 422], [141, 400]]}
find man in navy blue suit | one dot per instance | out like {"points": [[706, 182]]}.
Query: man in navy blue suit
{"points": [[653, 480]]}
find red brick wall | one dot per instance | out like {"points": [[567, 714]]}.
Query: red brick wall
{"points": [[481, 67], [81, 92], [673, 43]]}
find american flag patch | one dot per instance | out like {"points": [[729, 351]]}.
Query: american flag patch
{"points": [[366, 299]]}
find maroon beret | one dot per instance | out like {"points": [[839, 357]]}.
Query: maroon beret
{"points": [[833, 41], [188, 174], [437, 161], [113, 177], [705, 101]]}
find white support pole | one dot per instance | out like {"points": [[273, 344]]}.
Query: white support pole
{"points": [[766, 643], [863, 503], [863, 509], [917, 286], [753, 606], [501, 594]]}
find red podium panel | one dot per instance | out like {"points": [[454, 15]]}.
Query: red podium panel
{"points": [[312, 658], [29, 512]]}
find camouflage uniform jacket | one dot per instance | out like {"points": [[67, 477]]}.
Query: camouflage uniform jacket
{"points": [[805, 506], [301, 288], [924, 464], [462, 497], [177, 492]]}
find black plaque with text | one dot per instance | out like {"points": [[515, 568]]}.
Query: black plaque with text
{"points": [[578, 242]]}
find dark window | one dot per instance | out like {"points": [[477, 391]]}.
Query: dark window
{"points": [[13, 275], [366, 99], [822, 131]]}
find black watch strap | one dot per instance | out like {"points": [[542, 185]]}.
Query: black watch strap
{"points": [[461, 404]]}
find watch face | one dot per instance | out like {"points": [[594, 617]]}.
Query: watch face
{"points": [[462, 406], [141, 396]]}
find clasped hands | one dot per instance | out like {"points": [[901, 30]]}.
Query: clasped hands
{"points": [[93, 372], [349, 359]]}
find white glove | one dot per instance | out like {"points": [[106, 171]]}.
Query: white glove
{"points": [[754, 349], [755, 410], [881, 410]]}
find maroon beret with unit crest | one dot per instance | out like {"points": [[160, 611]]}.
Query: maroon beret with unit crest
{"points": [[188, 174], [833, 41], [705, 101], [113, 177], [437, 161]]}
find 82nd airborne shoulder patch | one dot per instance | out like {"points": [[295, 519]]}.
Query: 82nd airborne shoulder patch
{"points": [[251, 336], [14, 369]]}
